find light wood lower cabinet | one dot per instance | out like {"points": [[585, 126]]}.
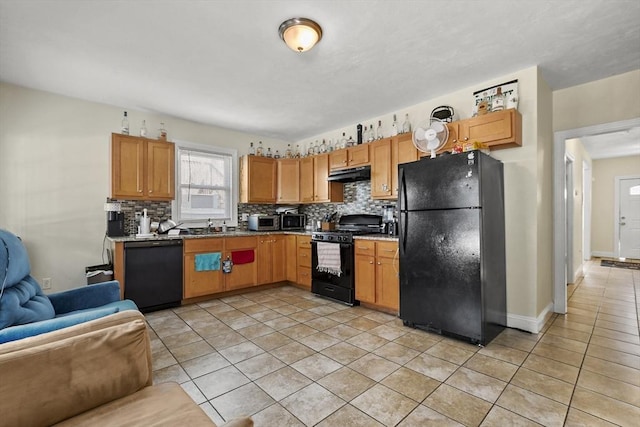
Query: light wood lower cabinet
{"points": [[271, 258], [201, 283], [304, 261], [376, 268], [291, 258]]}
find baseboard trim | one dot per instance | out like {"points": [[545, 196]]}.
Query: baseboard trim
{"points": [[602, 254], [530, 324]]}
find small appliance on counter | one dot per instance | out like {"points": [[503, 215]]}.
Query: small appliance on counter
{"points": [[144, 230], [115, 219], [261, 222], [389, 221]]}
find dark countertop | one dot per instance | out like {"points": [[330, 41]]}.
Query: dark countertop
{"points": [[238, 233]]}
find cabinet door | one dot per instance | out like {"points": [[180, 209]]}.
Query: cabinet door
{"points": [[242, 275], [291, 258], [258, 180], [306, 180], [288, 181], [264, 259], [278, 259], [304, 261], [381, 169], [387, 284], [321, 173], [365, 278], [127, 168], [402, 151], [160, 170], [199, 283], [338, 159], [359, 155], [501, 128]]}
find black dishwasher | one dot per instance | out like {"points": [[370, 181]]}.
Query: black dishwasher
{"points": [[153, 273]]}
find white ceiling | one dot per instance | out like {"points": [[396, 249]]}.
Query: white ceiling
{"points": [[613, 144], [222, 62]]}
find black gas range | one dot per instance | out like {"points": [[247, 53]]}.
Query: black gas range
{"points": [[332, 257]]}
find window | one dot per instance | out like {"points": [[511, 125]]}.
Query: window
{"points": [[205, 185]]}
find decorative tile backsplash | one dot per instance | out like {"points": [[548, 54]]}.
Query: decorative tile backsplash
{"points": [[357, 200], [155, 210]]}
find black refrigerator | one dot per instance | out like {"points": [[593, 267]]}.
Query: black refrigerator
{"points": [[452, 250]]}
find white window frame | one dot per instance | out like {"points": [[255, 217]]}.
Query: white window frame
{"points": [[209, 149]]}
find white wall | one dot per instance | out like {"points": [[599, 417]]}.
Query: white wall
{"points": [[527, 173], [54, 173], [602, 101], [603, 190]]}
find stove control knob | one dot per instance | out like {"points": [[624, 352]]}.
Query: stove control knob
{"points": [[344, 238]]}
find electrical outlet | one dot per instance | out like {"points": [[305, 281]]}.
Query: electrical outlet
{"points": [[244, 217], [46, 283]]}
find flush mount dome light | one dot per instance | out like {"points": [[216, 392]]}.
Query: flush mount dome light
{"points": [[300, 34]]}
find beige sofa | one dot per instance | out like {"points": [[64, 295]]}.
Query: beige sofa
{"points": [[96, 373]]}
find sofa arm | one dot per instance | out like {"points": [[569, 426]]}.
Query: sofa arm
{"points": [[90, 296], [54, 376], [19, 332]]}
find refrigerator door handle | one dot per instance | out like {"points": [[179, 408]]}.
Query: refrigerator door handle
{"points": [[402, 209]]}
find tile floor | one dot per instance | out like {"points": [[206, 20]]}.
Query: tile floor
{"points": [[288, 358]]}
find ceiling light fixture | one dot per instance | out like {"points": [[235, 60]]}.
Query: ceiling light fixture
{"points": [[300, 34]]}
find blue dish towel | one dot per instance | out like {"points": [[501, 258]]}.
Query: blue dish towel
{"points": [[208, 262]]}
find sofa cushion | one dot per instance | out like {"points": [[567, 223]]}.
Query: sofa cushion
{"points": [[163, 404], [24, 302], [21, 299]]}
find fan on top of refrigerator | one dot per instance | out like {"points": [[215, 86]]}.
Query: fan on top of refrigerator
{"points": [[432, 138]]}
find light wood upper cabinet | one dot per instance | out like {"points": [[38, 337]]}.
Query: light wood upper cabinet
{"points": [[325, 191], [306, 180], [500, 129], [288, 171], [350, 157], [160, 170], [142, 168], [257, 179], [381, 168], [402, 151]]}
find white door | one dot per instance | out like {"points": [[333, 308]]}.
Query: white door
{"points": [[629, 220]]}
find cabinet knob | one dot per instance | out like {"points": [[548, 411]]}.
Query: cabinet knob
{"points": [[466, 138], [370, 262], [379, 264]]}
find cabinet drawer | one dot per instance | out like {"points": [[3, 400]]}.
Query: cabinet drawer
{"points": [[240, 243], [386, 249], [203, 245], [304, 242], [304, 276], [365, 247], [304, 258]]}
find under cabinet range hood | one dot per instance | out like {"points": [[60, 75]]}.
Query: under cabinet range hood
{"points": [[362, 173]]}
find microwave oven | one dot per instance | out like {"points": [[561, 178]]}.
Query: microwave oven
{"points": [[264, 222], [290, 221]]}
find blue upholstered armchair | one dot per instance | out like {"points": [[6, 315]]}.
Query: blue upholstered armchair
{"points": [[26, 311]]}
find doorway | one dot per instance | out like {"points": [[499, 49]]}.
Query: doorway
{"points": [[627, 217], [568, 203], [560, 207]]}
